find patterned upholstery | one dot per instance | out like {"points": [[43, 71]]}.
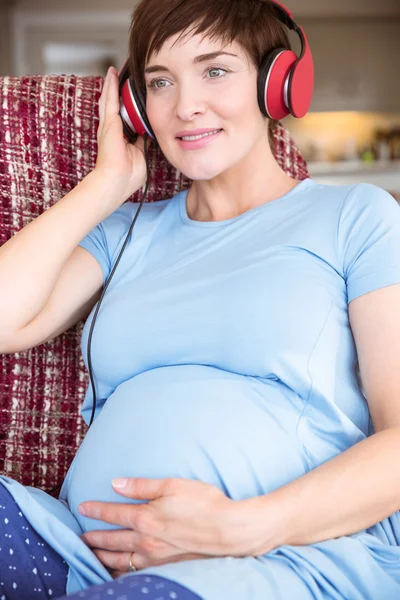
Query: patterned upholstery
{"points": [[48, 127]]}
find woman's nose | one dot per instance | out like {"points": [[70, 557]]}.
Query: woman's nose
{"points": [[189, 102]]}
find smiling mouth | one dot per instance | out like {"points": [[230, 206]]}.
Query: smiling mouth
{"points": [[193, 138]]}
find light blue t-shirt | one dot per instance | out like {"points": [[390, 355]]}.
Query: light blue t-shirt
{"points": [[222, 352]]}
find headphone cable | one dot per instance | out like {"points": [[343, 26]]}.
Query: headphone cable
{"points": [[89, 354]]}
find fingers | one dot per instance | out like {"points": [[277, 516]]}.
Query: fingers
{"points": [[123, 540], [102, 103], [114, 561], [118, 562], [117, 540], [113, 549], [112, 98], [109, 99]]}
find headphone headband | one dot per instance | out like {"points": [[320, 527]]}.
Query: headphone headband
{"points": [[284, 15]]}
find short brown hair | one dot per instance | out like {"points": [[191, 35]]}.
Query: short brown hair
{"points": [[251, 23]]}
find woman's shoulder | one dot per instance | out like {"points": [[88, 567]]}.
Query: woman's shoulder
{"points": [[352, 201], [148, 213], [357, 193]]}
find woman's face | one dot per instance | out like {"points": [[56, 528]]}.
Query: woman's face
{"points": [[186, 94]]}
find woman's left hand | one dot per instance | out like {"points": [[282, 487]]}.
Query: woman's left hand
{"points": [[184, 520]]}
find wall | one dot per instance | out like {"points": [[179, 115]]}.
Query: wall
{"points": [[332, 136], [356, 8], [311, 8], [6, 7], [355, 63]]}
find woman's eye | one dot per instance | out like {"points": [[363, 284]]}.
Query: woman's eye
{"points": [[216, 69], [153, 84]]}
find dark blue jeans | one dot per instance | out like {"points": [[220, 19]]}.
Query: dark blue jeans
{"points": [[31, 570]]}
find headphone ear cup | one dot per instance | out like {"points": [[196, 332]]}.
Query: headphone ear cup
{"points": [[273, 88], [132, 109], [301, 85]]}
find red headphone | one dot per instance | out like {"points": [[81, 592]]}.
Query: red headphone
{"points": [[285, 85]]}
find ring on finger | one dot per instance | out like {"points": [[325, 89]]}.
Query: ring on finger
{"points": [[131, 566]]}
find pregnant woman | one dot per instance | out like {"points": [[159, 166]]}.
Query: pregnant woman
{"points": [[246, 353]]}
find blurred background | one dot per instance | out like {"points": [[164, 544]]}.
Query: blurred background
{"points": [[352, 132]]}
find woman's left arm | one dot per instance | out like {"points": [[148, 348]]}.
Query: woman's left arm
{"points": [[361, 486]]}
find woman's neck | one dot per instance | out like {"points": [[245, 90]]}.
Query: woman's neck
{"points": [[219, 203], [253, 181]]}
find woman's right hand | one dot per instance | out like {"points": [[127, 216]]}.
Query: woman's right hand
{"points": [[116, 157]]}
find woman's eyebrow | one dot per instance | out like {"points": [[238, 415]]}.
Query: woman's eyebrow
{"points": [[198, 59]]}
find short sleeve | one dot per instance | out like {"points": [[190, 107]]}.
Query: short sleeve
{"points": [[369, 240], [104, 239]]}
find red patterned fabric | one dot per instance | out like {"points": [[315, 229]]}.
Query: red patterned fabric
{"points": [[48, 127]]}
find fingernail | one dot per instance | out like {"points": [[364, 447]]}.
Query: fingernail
{"points": [[119, 483], [82, 509]]}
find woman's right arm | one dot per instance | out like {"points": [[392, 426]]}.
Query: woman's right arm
{"points": [[33, 260]]}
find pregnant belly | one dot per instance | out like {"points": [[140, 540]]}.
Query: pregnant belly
{"points": [[194, 422]]}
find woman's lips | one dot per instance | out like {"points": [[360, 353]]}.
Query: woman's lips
{"points": [[195, 144]]}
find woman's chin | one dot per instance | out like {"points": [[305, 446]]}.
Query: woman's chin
{"points": [[196, 173], [196, 168]]}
